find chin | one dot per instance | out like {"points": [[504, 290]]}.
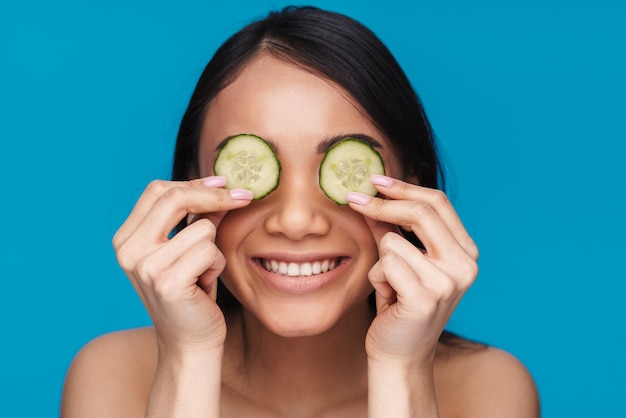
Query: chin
{"points": [[311, 316], [326, 302], [295, 319]]}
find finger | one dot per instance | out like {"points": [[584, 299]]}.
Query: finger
{"points": [[385, 295], [395, 281], [180, 280], [418, 217], [437, 199], [421, 268], [153, 192], [201, 230], [177, 202], [161, 257], [150, 268], [208, 281]]}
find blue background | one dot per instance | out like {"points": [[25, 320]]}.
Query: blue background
{"points": [[527, 98]]}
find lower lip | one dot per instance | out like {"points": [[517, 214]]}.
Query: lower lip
{"points": [[300, 285]]}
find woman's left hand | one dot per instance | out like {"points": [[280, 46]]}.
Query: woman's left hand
{"points": [[416, 290]]}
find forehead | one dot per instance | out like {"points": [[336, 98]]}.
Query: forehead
{"points": [[288, 106], [278, 99]]}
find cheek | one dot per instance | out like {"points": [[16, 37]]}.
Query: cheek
{"points": [[230, 234], [354, 227], [231, 231]]}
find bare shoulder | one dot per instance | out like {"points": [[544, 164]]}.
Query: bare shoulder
{"points": [[111, 376], [485, 382]]}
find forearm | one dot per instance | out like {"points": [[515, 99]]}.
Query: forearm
{"points": [[186, 386], [400, 391]]}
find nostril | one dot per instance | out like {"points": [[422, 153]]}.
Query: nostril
{"points": [[297, 218]]}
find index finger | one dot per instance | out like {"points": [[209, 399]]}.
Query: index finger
{"points": [[165, 203], [436, 199], [439, 229]]}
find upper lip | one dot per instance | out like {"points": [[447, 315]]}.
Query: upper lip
{"points": [[299, 258]]}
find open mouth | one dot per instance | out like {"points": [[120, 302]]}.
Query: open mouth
{"points": [[292, 269]]}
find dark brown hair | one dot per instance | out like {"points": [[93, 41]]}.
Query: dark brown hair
{"points": [[340, 49]]}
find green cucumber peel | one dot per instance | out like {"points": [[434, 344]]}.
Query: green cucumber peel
{"points": [[248, 162], [347, 167]]}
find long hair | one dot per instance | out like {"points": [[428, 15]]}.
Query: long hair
{"points": [[334, 47]]}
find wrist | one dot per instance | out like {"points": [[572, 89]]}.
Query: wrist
{"points": [[191, 358], [187, 383], [409, 384], [183, 348]]}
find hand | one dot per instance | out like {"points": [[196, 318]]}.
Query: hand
{"points": [[416, 291], [176, 277]]}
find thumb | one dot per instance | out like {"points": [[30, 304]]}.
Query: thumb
{"points": [[208, 281]]}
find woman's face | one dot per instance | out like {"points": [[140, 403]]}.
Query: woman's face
{"points": [[296, 227]]}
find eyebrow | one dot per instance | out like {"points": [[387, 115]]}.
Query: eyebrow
{"points": [[223, 142], [324, 146]]}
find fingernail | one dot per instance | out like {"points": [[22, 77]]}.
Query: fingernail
{"points": [[214, 181], [380, 180], [358, 198], [241, 194]]}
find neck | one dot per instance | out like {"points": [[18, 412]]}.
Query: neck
{"points": [[328, 367]]}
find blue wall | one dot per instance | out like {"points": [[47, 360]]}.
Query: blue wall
{"points": [[527, 100]]}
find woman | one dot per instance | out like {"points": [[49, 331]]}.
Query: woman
{"points": [[234, 336]]}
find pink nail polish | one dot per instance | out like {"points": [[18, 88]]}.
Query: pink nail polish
{"points": [[379, 180], [214, 181], [358, 198], [241, 194]]}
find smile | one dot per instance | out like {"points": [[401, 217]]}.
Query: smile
{"points": [[299, 269]]}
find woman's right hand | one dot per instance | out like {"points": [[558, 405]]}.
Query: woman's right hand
{"points": [[176, 277]]}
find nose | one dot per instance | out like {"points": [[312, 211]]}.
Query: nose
{"points": [[299, 208]]}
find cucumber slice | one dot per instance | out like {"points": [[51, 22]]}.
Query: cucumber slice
{"points": [[248, 162], [347, 167]]}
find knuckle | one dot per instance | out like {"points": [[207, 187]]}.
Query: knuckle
{"points": [[473, 251], [117, 240], [388, 261], [402, 187], [173, 194], [124, 258], [445, 288], [422, 210], [427, 307], [375, 272], [468, 273], [147, 269], [162, 289], [125, 262], [440, 198], [386, 239], [205, 228], [219, 256], [220, 198], [157, 187], [207, 248], [378, 208]]}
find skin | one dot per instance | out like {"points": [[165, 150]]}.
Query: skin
{"points": [[314, 352]]}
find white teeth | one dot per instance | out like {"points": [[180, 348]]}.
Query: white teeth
{"points": [[299, 269], [306, 269], [293, 270]]}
